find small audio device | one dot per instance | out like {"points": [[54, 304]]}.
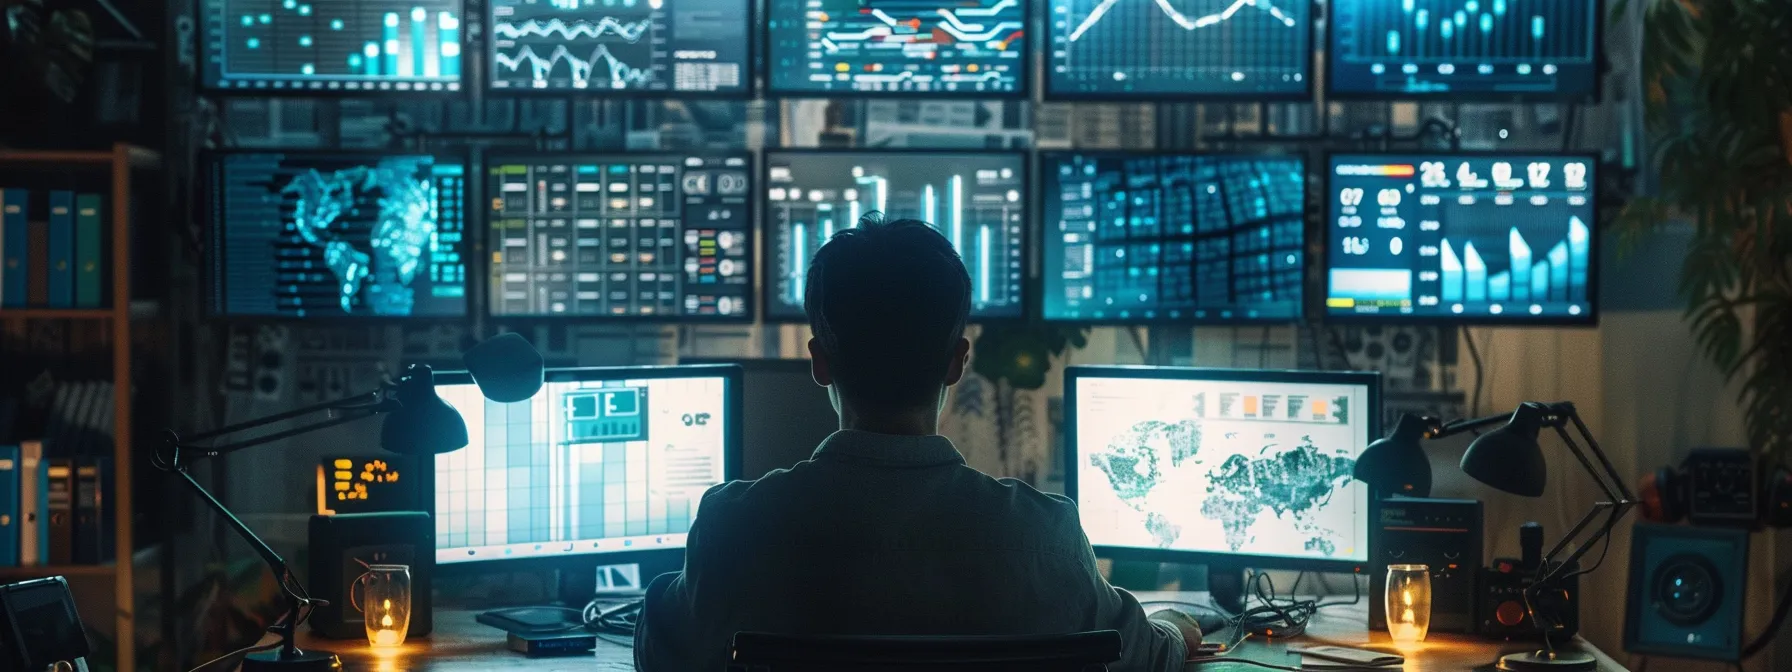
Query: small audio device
{"points": [[1712, 486], [344, 545], [39, 627], [1500, 611], [1687, 588], [1443, 534]]}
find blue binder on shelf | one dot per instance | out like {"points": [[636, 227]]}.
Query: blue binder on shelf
{"points": [[14, 209], [9, 506], [87, 251], [62, 249]]}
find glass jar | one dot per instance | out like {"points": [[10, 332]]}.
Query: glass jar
{"points": [[1408, 602], [386, 603]]}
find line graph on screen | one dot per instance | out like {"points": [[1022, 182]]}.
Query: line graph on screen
{"points": [[1180, 46]]}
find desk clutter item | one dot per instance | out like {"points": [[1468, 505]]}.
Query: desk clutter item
{"points": [[39, 626], [345, 548], [547, 644], [1345, 658], [1687, 589]]}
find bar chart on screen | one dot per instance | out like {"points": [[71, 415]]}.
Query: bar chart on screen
{"points": [[1526, 48], [332, 45], [976, 201], [1492, 238]]}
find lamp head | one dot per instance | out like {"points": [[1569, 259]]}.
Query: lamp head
{"points": [[1396, 465], [422, 424], [1509, 458]]}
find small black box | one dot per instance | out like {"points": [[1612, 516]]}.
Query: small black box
{"points": [[544, 645], [1442, 534]]}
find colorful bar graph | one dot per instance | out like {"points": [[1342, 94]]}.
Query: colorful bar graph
{"points": [[1558, 272], [1578, 253], [422, 62], [1476, 270], [1521, 260], [389, 41], [448, 33], [1452, 274]]}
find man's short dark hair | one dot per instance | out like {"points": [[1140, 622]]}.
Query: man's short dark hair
{"points": [[888, 301]]}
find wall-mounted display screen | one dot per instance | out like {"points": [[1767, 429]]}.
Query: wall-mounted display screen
{"points": [[324, 46], [1173, 237], [661, 46], [308, 235], [1536, 49], [976, 200], [1504, 238], [1179, 48], [973, 48], [665, 237]]}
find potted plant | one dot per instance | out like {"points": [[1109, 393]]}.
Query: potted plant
{"points": [[1011, 361], [1717, 79]]}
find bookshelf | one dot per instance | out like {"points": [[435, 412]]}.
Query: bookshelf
{"points": [[121, 161]]}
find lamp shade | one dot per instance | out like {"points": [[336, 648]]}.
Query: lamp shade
{"points": [[1396, 465], [422, 424], [1509, 458]]}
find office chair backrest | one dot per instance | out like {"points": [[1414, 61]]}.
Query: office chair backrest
{"points": [[1074, 652]]}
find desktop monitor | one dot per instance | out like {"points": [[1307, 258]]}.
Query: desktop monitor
{"points": [[786, 415], [977, 200], [1457, 50], [313, 47], [1239, 468], [1102, 49], [963, 48], [1136, 238], [606, 462], [1470, 238], [663, 47], [335, 234], [664, 237]]}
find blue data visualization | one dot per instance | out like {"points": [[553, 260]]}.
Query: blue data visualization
{"points": [[668, 46], [1541, 49], [976, 200], [963, 47], [1132, 238], [1502, 238], [308, 235], [1179, 48], [349, 46]]}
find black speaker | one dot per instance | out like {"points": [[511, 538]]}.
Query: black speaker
{"points": [[1686, 592], [1442, 534], [343, 545]]}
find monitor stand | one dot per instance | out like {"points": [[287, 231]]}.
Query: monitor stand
{"points": [[1225, 588]]}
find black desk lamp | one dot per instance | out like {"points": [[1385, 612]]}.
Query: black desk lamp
{"points": [[506, 368], [1511, 459]]}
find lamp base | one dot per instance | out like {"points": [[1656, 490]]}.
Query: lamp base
{"points": [[1545, 661], [305, 661]]}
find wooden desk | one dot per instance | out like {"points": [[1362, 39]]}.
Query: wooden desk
{"points": [[461, 644], [1348, 626]]}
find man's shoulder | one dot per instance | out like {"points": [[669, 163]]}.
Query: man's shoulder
{"points": [[1020, 499]]}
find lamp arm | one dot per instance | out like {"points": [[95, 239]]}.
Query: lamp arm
{"points": [[1623, 495], [1460, 426], [354, 401], [176, 445]]}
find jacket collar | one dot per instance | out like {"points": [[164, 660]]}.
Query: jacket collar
{"points": [[890, 449]]}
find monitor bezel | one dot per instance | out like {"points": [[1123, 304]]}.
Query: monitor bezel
{"points": [[1049, 93], [211, 206], [1023, 90], [732, 437], [747, 92], [1592, 97], [1369, 380], [1028, 215], [1591, 319], [1041, 208], [209, 88], [750, 296]]}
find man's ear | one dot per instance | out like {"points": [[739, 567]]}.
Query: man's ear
{"points": [[961, 356], [819, 367]]}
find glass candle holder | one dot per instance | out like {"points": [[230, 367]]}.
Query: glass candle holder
{"points": [[386, 603], [1408, 601]]}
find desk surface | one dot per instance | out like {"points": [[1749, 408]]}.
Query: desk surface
{"points": [[460, 643]]}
